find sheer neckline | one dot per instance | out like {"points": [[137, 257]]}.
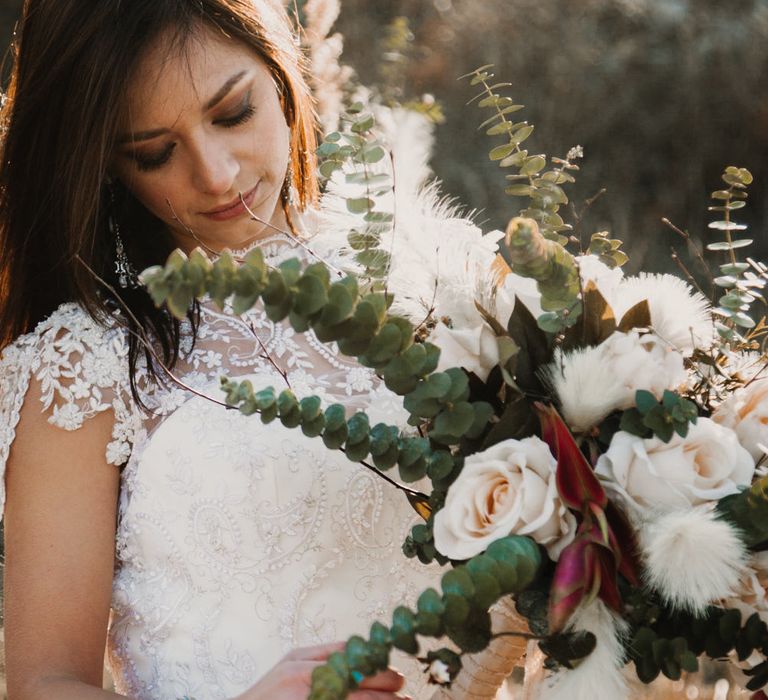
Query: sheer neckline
{"points": [[278, 243]]}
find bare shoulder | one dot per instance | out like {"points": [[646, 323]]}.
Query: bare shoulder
{"points": [[60, 521]]}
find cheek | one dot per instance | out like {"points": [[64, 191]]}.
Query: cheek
{"points": [[269, 139]]}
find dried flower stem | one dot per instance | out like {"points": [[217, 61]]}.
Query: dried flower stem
{"points": [[676, 259], [697, 253]]}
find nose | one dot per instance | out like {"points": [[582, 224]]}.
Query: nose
{"points": [[215, 168]]}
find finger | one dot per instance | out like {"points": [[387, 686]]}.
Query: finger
{"points": [[389, 680], [316, 653]]}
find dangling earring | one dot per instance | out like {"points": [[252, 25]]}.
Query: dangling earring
{"points": [[127, 277], [288, 193]]}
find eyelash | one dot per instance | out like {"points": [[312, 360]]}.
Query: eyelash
{"points": [[148, 163]]}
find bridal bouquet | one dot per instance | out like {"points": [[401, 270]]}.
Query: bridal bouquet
{"points": [[592, 441]]}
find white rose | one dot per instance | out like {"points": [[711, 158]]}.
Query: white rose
{"points": [[525, 290], [637, 361], [746, 413], [592, 382], [752, 597], [475, 349], [706, 465], [507, 489]]}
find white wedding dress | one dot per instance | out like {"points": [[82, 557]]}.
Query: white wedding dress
{"points": [[236, 541]]}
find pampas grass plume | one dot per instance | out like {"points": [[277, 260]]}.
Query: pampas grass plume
{"points": [[599, 676]]}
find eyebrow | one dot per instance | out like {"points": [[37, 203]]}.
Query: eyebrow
{"points": [[218, 97]]}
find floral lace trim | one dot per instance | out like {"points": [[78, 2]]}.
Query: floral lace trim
{"points": [[15, 364], [82, 369]]}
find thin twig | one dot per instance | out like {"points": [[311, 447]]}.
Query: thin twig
{"points": [[268, 356], [578, 216], [697, 253], [676, 259], [431, 309], [291, 237], [519, 635], [145, 341], [394, 220]]}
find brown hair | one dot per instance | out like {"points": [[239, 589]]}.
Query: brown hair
{"points": [[58, 129]]}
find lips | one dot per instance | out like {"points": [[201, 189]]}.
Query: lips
{"points": [[234, 208]]}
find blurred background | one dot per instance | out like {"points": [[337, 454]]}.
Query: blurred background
{"points": [[662, 95]]}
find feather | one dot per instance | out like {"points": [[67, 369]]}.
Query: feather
{"points": [[440, 260], [693, 558], [600, 674]]}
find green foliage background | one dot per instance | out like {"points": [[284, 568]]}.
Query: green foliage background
{"points": [[662, 94]]}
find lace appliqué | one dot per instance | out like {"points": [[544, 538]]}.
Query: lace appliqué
{"points": [[82, 369]]}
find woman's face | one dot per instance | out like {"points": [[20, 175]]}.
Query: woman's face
{"points": [[203, 127]]}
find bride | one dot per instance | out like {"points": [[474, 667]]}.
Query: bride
{"points": [[214, 556]]}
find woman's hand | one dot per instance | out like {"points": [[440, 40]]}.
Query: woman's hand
{"points": [[291, 677]]}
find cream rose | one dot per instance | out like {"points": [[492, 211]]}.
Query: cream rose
{"points": [[507, 489], [475, 349], [746, 413], [592, 382], [706, 465]]}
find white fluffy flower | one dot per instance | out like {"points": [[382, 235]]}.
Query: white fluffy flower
{"points": [[706, 465], [693, 558], [592, 382], [599, 675], [746, 413], [680, 315], [509, 488], [475, 349]]}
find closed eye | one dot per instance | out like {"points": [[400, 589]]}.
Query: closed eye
{"points": [[146, 162], [240, 118]]}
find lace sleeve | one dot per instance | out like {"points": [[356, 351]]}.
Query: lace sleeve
{"points": [[82, 368]]}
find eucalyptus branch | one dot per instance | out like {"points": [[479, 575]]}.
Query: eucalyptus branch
{"points": [[543, 188], [459, 612], [363, 329], [739, 286], [353, 150]]}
